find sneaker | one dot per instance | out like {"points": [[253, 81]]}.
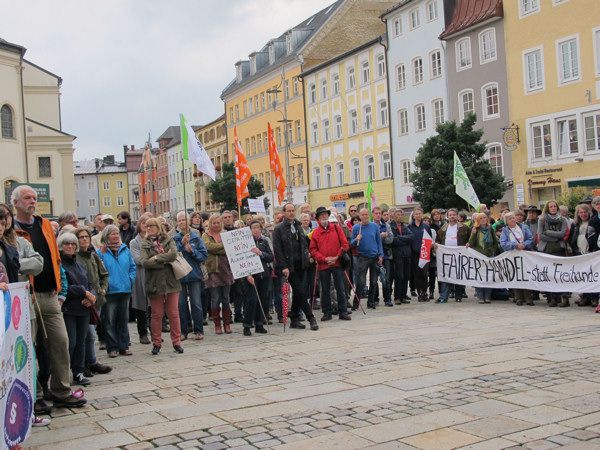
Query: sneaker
{"points": [[40, 421], [113, 354], [389, 303], [313, 324], [41, 407], [80, 380], [184, 337], [99, 368], [88, 373], [144, 340], [326, 317], [70, 401], [260, 329], [155, 350], [247, 331], [178, 349], [198, 336], [345, 317], [125, 352]]}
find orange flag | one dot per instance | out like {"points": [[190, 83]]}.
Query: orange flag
{"points": [[242, 171], [276, 166]]}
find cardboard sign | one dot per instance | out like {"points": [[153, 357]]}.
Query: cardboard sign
{"points": [[237, 245], [256, 205]]}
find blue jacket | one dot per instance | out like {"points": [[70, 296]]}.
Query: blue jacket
{"points": [[194, 258], [370, 243], [507, 244], [121, 270]]}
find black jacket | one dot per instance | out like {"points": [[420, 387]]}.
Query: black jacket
{"points": [[591, 235], [402, 241], [283, 248], [127, 235], [78, 283], [417, 235], [266, 258], [12, 262]]}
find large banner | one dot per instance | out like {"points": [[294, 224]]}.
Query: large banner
{"points": [[16, 366], [519, 270], [237, 245]]}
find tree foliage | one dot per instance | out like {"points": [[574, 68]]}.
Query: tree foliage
{"points": [[433, 179], [222, 190], [572, 197]]}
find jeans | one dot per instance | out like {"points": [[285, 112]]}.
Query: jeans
{"points": [[297, 280], [253, 314], [340, 287], [115, 317], [483, 293], [362, 264], [170, 303], [401, 274], [90, 350], [445, 290], [193, 291], [77, 330], [387, 285], [141, 319]]}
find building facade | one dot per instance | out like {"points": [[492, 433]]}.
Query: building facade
{"points": [[213, 137], [417, 74], [31, 131], [476, 70], [133, 160], [553, 63], [113, 191], [347, 114], [87, 202], [148, 180]]}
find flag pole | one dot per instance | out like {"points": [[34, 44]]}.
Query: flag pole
{"points": [[271, 175], [183, 179]]}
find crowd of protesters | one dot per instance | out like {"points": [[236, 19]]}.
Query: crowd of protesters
{"points": [[89, 282]]}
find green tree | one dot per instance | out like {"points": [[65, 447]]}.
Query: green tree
{"points": [[222, 190], [572, 198], [433, 182]]}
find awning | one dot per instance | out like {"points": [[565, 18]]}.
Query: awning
{"points": [[592, 182]]}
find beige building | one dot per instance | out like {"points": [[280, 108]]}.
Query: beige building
{"points": [[41, 153], [213, 137]]}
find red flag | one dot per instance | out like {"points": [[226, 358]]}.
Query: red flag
{"points": [[242, 171], [285, 293], [276, 166], [425, 255]]}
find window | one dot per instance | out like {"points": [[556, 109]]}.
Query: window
{"points": [[463, 54], [353, 122], [542, 141], [337, 120], [491, 106], [386, 165], [420, 121], [382, 107], [296, 86], [438, 111], [6, 120], [298, 131], [414, 18], [106, 185], [326, 136], [417, 70], [402, 122], [351, 80], [323, 88], [265, 143], [436, 64], [237, 113], [263, 104], [277, 137], [367, 118], [355, 164], [231, 115], [314, 127], [106, 201], [365, 74], [317, 177], [397, 27], [259, 142], [300, 176], [527, 7], [288, 42], [400, 77], [380, 65], [339, 173], [336, 83], [406, 172], [566, 130], [494, 153], [466, 103], [597, 50], [119, 184], [432, 10], [592, 132], [120, 201], [327, 176], [487, 46], [312, 93], [369, 167], [91, 185], [568, 60], [92, 202], [534, 70], [286, 89]]}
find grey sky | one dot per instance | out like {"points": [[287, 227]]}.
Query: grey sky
{"points": [[131, 66]]}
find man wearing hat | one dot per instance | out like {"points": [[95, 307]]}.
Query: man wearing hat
{"points": [[533, 213], [327, 245], [106, 219]]}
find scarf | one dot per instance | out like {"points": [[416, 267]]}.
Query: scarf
{"points": [[157, 245], [215, 236], [486, 235]]}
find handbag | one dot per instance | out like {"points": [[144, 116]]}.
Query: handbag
{"points": [[345, 260], [94, 317], [180, 266]]}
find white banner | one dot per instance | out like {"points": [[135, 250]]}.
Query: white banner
{"points": [[256, 205], [237, 245], [519, 269], [16, 367]]}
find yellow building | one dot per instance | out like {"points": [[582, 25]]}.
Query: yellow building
{"points": [[347, 116], [553, 64], [113, 187]]}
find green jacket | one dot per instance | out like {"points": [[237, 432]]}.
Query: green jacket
{"points": [[215, 249], [96, 272], [160, 278], [476, 243]]}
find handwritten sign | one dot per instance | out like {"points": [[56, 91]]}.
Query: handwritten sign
{"points": [[237, 245], [256, 205]]}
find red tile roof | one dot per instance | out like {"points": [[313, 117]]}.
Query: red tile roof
{"points": [[471, 12]]}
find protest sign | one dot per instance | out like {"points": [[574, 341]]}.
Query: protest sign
{"points": [[237, 245], [256, 205], [16, 366], [519, 270]]}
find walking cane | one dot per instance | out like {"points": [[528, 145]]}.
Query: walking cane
{"points": [[353, 289], [39, 314], [260, 305], [314, 292]]}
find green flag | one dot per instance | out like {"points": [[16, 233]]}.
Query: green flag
{"points": [[370, 196], [462, 184], [193, 150]]}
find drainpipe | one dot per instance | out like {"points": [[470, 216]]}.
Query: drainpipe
{"points": [[301, 79], [24, 122], [383, 43]]}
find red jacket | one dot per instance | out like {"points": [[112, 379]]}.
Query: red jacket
{"points": [[326, 242]]}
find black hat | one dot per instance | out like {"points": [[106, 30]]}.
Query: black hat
{"points": [[533, 208], [588, 199], [321, 210]]}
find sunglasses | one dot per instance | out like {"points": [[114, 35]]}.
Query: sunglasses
{"points": [[353, 210]]}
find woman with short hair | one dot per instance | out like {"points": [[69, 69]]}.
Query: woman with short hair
{"points": [[517, 236], [584, 239], [139, 298]]}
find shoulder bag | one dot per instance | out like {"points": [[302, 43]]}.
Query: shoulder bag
{"points": [[180, 266]]}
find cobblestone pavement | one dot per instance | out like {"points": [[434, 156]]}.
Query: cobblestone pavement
{"points": [[456, 375]]}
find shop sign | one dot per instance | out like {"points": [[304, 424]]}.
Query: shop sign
{"points": [[543, 171], [542, 182]]}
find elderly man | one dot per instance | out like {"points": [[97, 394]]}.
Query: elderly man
{"points": [[68, 218], [105, 220], [452, 234], [387, 239], [47, 285], [401, 252], [228, 220], [352, 212], [366, 238]]}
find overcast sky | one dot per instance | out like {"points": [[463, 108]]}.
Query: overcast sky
{"points": [[131, 66]]}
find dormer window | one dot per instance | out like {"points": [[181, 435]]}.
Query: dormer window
{"points": [[271, 53], [238, 72], [288, 42], [253, 65]]}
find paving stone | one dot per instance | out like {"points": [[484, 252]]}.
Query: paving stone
{"points": [[167, 440], [257, 437], [582, 435]]}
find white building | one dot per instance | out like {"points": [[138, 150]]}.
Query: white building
{"points": [[31, 131], [418, 98]]}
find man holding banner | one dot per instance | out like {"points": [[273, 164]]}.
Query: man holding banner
{"points": [[452, 234]]}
